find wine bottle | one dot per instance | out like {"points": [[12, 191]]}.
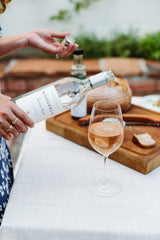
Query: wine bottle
{"points": [[60, 96], [78, 70]]}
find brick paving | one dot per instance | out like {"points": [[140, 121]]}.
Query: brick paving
{"points": [[22, 75], [124, 67]]}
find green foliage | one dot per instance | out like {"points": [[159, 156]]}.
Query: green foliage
{"points": [[120, 45], [66, 14], [125, 44], [82, 4], [150, 46], [62, 15], [93, 47]]}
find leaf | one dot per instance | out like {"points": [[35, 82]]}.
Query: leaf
{"points": [[62, 15], [78, 5]]}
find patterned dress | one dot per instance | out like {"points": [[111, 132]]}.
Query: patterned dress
{"points": [[6, 172]]}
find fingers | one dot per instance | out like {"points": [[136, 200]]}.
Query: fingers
{"points": [[45, 41], [4, 134], [66, 51], [71, 49], [60, 48], [18, 126], [13, 121], [23, 119], [10, 129], [6, 129], [60, 35]]}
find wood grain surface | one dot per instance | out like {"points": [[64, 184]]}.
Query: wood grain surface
{"points": [[141, 159]]}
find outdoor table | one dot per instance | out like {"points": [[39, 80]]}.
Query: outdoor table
{"points": [[50, 198]]}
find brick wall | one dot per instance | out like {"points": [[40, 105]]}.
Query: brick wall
{"points": [[20, 76]]}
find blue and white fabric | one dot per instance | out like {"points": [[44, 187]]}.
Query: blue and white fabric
{"points": [[6, 172], [6, 175], [0, 32]]}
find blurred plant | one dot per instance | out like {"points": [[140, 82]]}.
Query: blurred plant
{"points": [[125, 44], [120, 44], [61, 15], [150, 46], [78, 5], [93, 46]]}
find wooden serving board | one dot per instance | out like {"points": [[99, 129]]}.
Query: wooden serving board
{"points": [[141, 159]]}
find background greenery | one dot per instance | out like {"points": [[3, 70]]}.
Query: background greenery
{"points": [[128, 44], [124, 45], [121, 45], [64, 15]]}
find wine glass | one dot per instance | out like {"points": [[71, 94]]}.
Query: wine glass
{"points": [[105, 134]]}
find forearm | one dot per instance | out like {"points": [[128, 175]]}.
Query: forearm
{"points": [[12, 43], [42, 39]]}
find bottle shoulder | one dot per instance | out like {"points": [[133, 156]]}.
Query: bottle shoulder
{"points": [[76, 67]]}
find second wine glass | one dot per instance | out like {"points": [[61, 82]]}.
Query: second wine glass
{"points": [[105, 134]]}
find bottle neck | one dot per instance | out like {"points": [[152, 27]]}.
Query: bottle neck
{"points": [[78, 69], [78, 59], [101, 79]]}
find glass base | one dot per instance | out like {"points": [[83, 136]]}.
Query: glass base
{"points": [[106, 188]]}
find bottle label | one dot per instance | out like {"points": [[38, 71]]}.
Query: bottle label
{"points": [[41, 104], [101, 78], [80, 110]]}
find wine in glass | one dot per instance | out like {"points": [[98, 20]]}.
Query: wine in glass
{"points": [[105, 134]]}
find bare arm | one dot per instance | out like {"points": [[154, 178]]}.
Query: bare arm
{"points": [[14, 120], [10, 44], [42, 39]]}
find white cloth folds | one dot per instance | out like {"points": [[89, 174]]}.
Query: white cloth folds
{"points": [[50, 197]]}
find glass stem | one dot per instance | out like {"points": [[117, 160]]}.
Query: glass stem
{"points": [[104, 179]]}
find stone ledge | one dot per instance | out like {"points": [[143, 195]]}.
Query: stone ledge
{"points": [[48, 67], [153, 68], [122, 67], [39, 67], [23, 75]]}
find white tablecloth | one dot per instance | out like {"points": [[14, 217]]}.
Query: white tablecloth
{"points": [[50, 198]]}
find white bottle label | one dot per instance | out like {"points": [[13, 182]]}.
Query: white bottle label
{"points": [[41, 104], [80, 110]]}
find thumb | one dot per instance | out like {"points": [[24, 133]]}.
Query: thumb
{"points": [[60, 35]]}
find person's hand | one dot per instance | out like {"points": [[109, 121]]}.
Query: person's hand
{"points": [[13, 120], [42, 39], [45, 40]]}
